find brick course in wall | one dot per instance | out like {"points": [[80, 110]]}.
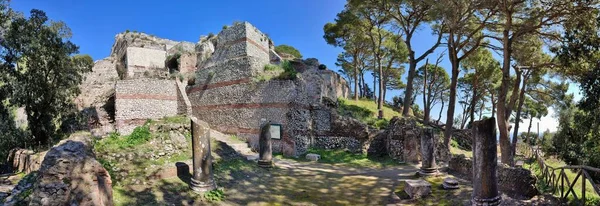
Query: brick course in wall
{"points": [[140, 99], [227, 97]]}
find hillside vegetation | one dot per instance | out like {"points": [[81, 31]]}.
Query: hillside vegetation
{"points": [[365, 110]]}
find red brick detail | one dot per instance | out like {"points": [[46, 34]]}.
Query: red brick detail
{"points": [[242, 106], [248, 130], [145, 96], [245, 39], [217, 85], [251, 106]]}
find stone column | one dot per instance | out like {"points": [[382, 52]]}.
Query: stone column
{"points": [[265, 158], [202, 180], [428, 166], [485, 161]]}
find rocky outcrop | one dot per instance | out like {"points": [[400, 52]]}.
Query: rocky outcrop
{"points": [[68, 175], [513, 181], [204, 49]]}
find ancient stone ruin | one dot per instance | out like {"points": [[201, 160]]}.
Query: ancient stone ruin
{"points": [[140, 81]]}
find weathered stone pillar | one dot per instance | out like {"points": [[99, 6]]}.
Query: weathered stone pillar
{"points": [[202, 180], [265, 158], [485, 161], [428, 165]]}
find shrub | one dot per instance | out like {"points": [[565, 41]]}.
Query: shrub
{"points": [[215, 195], [322, 67], [289, 73], [287, 49], [225, 27], [127, 31], [139, 135]]}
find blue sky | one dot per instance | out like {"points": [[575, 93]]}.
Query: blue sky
{"points": [[298, 23]]}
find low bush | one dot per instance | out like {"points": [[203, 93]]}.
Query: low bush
{"points": [[215, 195]]}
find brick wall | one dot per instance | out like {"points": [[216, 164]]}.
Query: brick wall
{"points": [[140, 99]]}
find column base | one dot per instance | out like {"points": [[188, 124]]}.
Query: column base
{"points": [[428, 172], [265, 163], [202, 187], [489, 201]]}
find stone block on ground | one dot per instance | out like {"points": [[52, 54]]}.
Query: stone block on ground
{"points": [[313, 157], [417, 188], [450, 183]]}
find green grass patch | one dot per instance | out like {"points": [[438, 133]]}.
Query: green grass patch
{"points": [[115, 141], [455, 149], [366, 111], [284, 71], [352, 159], [176, 119]]}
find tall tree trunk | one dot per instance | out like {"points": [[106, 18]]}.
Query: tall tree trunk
{"points": [[425, 94], [355, 77], [493, 105], [474, 99], [452, 102], [375, 88], [360, 86], [364, 84], [518, 118], [502, 109], [381, 89], [441, 110], [408, 93], [481, 110]]}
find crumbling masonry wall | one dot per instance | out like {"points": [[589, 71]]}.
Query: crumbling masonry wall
{"points": [[140, 99], [140, 60], [228, 97]]}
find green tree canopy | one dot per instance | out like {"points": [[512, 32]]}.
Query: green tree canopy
{"points": [[287, 49], [42, 71]]}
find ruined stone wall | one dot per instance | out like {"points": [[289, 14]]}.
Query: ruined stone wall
{"points": [[187, 63], [97, 82], [140, 99], [96, 99], [515, 182], [143, 60], [231, 100]]}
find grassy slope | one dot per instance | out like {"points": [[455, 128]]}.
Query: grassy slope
{"points": [[366, 111], [371, 105]]}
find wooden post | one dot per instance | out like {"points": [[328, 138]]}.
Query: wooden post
{"points": [[582, 187], [562, 184], [485, 163]]}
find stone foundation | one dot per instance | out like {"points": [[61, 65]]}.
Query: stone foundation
{"points": [[515, 182]]}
